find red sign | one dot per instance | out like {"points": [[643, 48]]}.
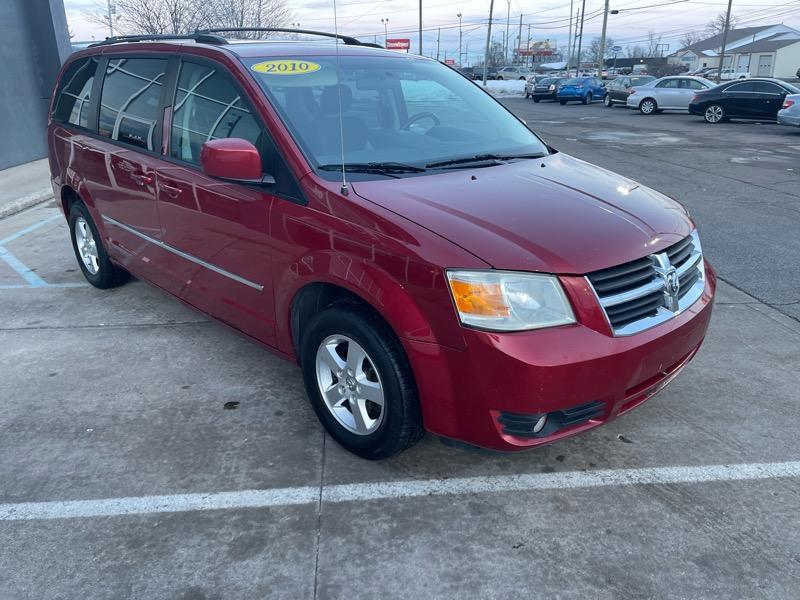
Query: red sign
{"points": [[536, 52], [402, 44], [450, 61]]}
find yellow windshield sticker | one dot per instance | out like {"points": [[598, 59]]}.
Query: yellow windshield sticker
{"points": [[285, 67]]}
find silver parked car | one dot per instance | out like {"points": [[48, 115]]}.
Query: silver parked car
{"points": [[790, 113], [668, 93]]}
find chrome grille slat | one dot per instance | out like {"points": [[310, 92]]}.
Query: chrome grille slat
{"points": [[635, 295]]}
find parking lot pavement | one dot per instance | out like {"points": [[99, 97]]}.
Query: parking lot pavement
{"points": [[124, 474], [740, 180]]}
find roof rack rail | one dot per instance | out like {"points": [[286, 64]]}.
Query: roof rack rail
{"points": [[198, 36], [348, 41]]}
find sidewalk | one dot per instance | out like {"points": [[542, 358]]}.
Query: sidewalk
{"points": [[24, 186]]}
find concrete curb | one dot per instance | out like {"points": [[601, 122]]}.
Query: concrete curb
{"points": [[20, 204]]}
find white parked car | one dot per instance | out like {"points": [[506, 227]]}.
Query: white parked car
{"points": [[516, 72], [668, 93], [728, 74]]}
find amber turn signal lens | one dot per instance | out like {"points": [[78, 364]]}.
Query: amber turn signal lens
{"points": [[476, 298]]}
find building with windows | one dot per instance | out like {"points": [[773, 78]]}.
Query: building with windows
{"points": [[34, 42], [767, 51]]}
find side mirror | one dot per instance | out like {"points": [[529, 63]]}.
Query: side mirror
{"points": [[233, 159]]}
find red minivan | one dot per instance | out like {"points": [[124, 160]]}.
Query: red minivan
{"points": [[380, 219]]}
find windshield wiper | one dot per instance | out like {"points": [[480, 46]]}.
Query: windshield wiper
{"points": [[382, 168], [481, 158]]}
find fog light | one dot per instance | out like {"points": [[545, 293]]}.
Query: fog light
{"points": [[540, 424]]}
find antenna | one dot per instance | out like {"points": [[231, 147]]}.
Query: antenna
{"points": [[345, 191]]}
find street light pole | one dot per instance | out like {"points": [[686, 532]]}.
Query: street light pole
{"points": [[385, 31], [569, 36], [488, 42], [110, 18], [508, 30], [580, 38], [602, 50], [438, 41], [724, 41], [459, 38]]}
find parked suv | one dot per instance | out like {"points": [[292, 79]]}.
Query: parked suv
{"points": [[428, 261]]}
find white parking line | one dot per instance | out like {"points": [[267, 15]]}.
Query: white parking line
{"points": [[143, 505]]}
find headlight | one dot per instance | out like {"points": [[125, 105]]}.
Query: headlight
{"points": [[509, 300]]}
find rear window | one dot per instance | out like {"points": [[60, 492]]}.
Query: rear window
{"points": [[131, 99], [74, 93]]}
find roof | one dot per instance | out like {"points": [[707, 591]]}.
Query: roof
{"points": [[715, 41], [769, 44]]}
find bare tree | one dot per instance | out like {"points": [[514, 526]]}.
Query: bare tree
{"points": [[692, 37], [593, 51], [251, 13], [154, 16], [635, 51], [184, 16], [717, 25]]}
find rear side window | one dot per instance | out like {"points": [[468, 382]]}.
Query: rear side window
{"points": [[131, 99], [74, 93], [765, 87], [668, 83], [208, 107]]}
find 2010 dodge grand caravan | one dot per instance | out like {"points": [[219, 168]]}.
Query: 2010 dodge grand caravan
{"points": [[377, 217]]}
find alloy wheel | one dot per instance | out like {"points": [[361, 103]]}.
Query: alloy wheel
{"points": [[648, 107], [87, 247], [714, 114], [350, 385]]}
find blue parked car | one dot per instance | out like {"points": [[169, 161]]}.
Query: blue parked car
{"points": [[583, 89]]}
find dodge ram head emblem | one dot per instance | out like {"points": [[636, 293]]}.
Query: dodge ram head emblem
{"points": [[669, 276]]}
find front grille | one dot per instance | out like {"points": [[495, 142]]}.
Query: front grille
{"points": [[636, 295], [522, 425]]}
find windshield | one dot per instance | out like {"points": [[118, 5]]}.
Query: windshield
{"points": [[399, 110]]}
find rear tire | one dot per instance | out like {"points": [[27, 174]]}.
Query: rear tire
{"points": [[335, 379], [92, 257], [648, 106], [536, 100], [587, 99], [562, 102], [714, 114]]}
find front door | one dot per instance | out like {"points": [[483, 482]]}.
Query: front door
{"points": [[217, 231]]}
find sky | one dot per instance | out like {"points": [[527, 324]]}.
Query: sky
{"points": [[548, 19]]}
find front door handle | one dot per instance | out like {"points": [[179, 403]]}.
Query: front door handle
{"points": [[141, 178], [171, 190]]}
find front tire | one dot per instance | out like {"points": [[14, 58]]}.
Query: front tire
{"points": [[648, 106], [588, 98], [562, 102], [714, 114], [360, 383], [92, 257], [536, 100], [607, 101]]}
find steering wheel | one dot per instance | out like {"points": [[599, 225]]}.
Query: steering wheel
{"points": [[423, 115]]}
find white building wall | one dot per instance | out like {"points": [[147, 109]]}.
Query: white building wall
{"points": [[787, 61]]}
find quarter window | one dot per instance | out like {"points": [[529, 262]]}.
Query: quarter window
{"points": [[131, 100], [72, 104], [208, 107]]}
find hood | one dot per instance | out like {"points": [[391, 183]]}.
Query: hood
{"points": [[557, 214]]}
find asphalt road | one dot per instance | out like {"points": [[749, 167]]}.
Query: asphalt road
{"points": [[124, 475], [740, 181]]}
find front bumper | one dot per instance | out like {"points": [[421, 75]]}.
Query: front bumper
{"points": [[784, 118], [543, 95], [503, 378]]}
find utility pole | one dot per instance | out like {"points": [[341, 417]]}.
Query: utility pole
{"points": [[580, 39], [569, 36], [459, 38], [519, 37], [508, 30], [438, 40], [602, 50], [488, 41], [110, 19], [420, 27], [724, 41], [528, 46]]}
